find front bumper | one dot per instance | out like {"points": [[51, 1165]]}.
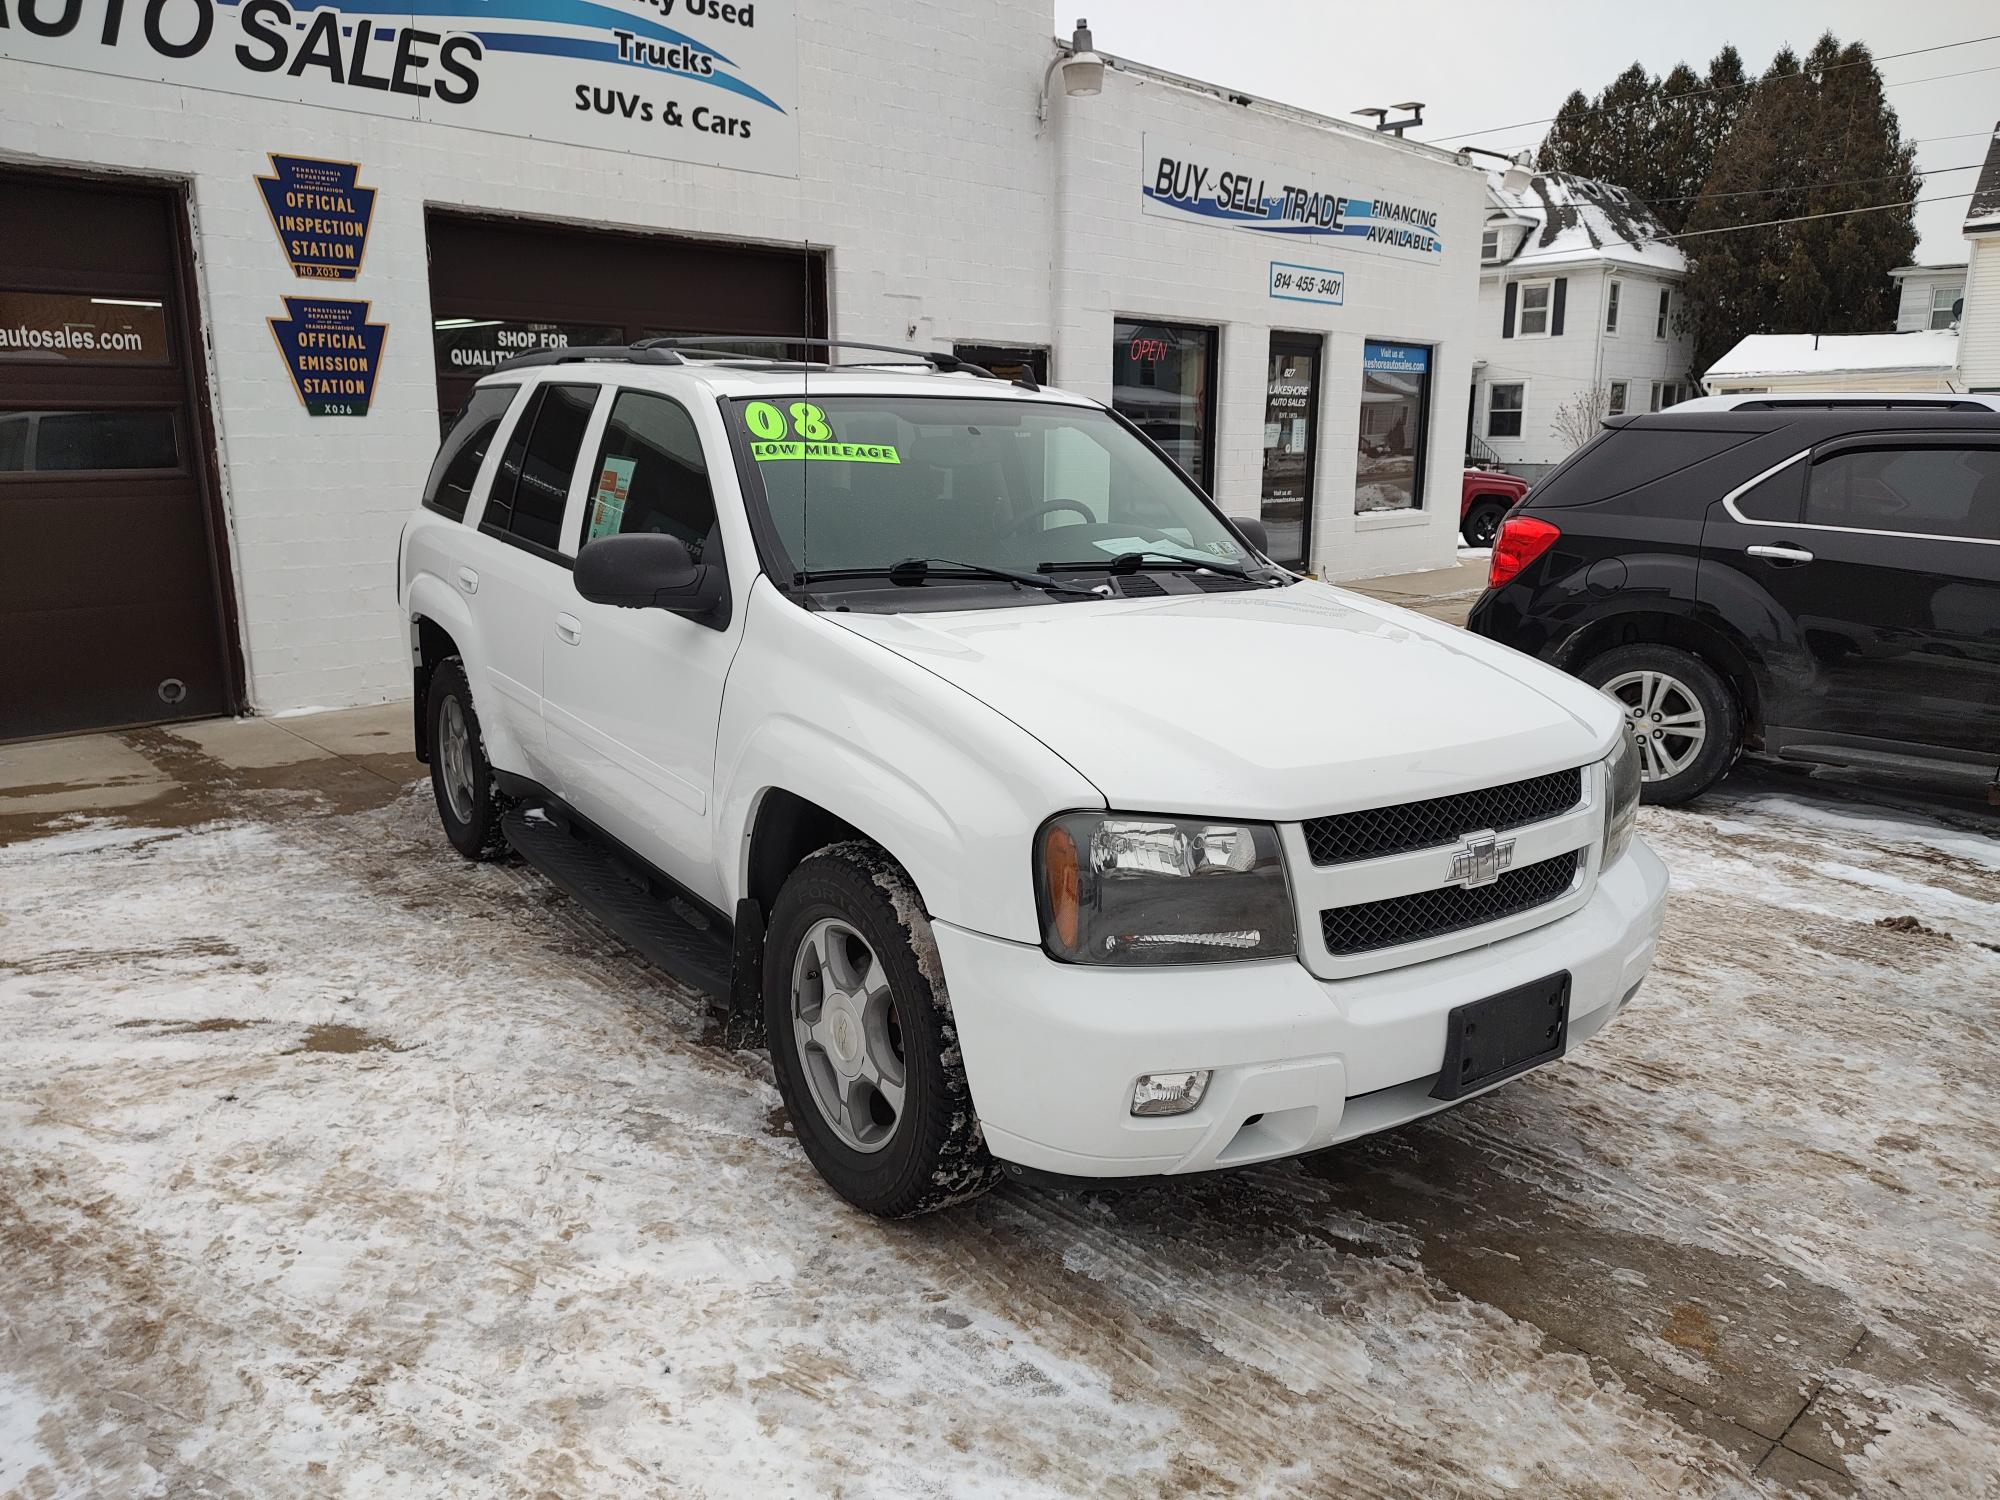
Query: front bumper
{"points": [[1052, 1050]]}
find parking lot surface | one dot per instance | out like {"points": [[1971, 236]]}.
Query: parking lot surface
{"points": [[331, 1164]]}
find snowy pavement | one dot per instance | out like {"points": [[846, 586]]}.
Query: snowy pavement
{"points": [[330, 1164]]}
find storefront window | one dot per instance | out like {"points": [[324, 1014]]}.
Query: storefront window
{"points": [[1291, 407], [1163, 382], [1395, 413]]}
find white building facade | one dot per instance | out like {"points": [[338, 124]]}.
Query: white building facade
{"points": [[1580, 302], [1929, 298], [255, 256]]}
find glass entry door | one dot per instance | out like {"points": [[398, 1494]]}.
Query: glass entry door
{"points": [[1291, 424]]}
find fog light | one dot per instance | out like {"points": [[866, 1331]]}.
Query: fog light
{"points": [[1169, 1093]]}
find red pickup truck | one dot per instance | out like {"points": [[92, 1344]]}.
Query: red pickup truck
{"points": [[1487, 496]]}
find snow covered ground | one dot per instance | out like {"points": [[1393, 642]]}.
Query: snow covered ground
{"points": [[330, 1164]]}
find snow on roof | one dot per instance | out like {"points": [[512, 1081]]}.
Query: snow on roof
{"points": [[1806, 354], [1580, 220], [1942, 268], [1983, 213]]}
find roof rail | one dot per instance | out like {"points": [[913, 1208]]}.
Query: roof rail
{"points": [[576, 354], [937, 359]]}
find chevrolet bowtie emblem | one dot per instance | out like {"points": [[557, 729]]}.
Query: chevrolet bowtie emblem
{"points": [[1481, 859]]}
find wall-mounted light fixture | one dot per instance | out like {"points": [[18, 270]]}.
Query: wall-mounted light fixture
{"points": [[1082, 68], [1519, 172]]}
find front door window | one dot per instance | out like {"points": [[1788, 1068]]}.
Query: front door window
{"points": [[1291, 416]]}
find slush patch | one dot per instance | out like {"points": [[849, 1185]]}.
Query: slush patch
{"points": [[846, 453]]}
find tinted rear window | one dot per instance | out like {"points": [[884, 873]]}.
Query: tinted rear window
{"points": [[1625, 458], [457, 465]]}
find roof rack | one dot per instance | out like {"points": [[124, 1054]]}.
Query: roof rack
{"points": [[674, 351], [576, 354]]}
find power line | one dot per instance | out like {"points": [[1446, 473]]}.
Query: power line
{"points": [[1751, 83], [1688, 234], [1808, 187]]}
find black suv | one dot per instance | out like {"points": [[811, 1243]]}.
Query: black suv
{"points": [[1820, 583]]}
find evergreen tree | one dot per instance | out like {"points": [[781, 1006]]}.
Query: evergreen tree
{"points": [[1811, 130]]}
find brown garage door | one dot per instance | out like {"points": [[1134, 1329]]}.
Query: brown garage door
{"points": [[500, 287], [110, 602]]}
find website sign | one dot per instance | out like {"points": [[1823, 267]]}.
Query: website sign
{"points": [[711, 81], [1195, 184]]}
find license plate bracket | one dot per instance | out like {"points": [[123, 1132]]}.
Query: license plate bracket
{"points": [[1486, 1041]]}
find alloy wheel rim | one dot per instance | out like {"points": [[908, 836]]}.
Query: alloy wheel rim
{"points": [[1485, 527], [455, 759], [848, 1036], [1665, 720]]}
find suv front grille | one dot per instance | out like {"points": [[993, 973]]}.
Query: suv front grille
{"points": [[1409, 919], [1376, 831]]}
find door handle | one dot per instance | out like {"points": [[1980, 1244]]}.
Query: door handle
{"points": [[569, 629], [468, 580], [1783, 552]]}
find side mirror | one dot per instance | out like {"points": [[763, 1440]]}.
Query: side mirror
{"points": [[1252, 531], [648, 570]]}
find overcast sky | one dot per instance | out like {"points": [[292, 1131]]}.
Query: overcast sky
{"points": [[1477, 65]]}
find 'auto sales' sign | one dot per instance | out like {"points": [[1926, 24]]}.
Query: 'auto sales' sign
{"points": [[711, 81], [1195, 184]]}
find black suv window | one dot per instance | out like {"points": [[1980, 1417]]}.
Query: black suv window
{"points": [[1933, 490], [1627, 457], [457, 464], [651, 475], [533, 482]]}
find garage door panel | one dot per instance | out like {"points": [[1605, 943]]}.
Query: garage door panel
{"points": [[102, 665]]}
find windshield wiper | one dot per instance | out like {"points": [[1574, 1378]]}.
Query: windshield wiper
{"points": [[915, 570], [1132, 562]]}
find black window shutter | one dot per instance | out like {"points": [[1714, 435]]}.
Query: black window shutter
{"points": [[1556, 312], [1507, 317]]}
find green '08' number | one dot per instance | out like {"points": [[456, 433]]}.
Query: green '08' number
{"points": [[765, 420]]}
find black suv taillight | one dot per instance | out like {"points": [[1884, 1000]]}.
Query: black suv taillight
{"points": [[1522, 539]]}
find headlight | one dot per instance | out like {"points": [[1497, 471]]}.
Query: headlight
{"points": [[1621, 797], [1117, 889]]}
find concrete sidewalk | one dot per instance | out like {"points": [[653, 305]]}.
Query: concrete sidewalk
{"points": [[175, 775], [1446, 594]]}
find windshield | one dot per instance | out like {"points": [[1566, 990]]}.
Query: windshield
{"points": [[865, 482]]}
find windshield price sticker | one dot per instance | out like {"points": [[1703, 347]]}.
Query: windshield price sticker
{"points": [[810, 437]]}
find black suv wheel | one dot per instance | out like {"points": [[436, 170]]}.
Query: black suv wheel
{"points": [[1684, 718]]}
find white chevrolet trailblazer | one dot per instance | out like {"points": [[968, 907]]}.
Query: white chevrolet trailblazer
{"points": [[942, 728]]}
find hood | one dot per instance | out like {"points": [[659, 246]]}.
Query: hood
{"points": [[1279, 704]]}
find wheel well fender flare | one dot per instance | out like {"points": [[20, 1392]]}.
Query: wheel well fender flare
{"points": [[1658, 627]]}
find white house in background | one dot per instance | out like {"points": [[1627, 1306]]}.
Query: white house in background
{"points": [[1924, 361], [1933, 349], [1928, 297], [1579, 291]]}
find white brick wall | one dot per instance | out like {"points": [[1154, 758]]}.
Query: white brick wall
{"points": [[923, 174], [1113, 259]]}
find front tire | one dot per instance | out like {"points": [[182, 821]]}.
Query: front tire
{"points": [[862, 1039], [469, 805], [1683, 716]]}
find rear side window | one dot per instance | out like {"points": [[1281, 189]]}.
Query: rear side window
{"points": [[1776, 499], [1933, 491], [449, 488], [1625, 458], [651, 475], [533, 482]]}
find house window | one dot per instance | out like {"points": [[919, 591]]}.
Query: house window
{"points": [[1489, 245], [1615, 407], [1503, 410], [1668, 393], [1944, 304], [1163, 382], [1535, 299], [1395, 416], [1611, 307], [1666, 306]]}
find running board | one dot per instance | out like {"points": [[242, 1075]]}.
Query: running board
{"points": [[1964, 773], [667, 929]]}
